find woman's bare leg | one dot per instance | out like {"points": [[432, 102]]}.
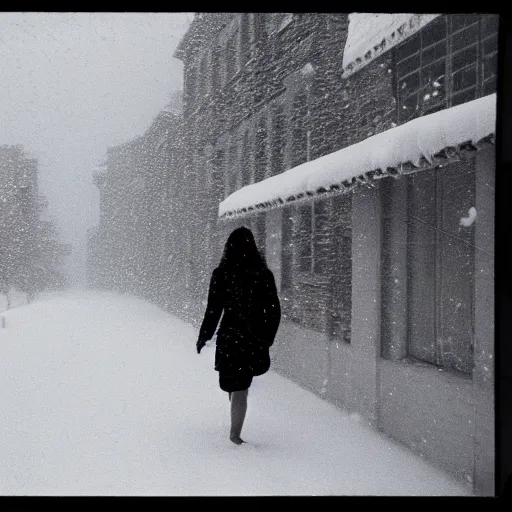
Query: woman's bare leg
{"points": [[238, 410]]}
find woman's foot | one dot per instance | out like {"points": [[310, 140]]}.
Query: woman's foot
{"points": [[238, 410]]}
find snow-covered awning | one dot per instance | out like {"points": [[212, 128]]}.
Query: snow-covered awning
{"points": [[370, 35], [419, 144]]}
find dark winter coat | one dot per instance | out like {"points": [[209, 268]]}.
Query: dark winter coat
{"points": [[252, 314]]}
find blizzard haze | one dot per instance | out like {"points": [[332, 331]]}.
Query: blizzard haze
{"points": [[73, 84]]}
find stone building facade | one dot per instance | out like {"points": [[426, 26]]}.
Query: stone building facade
{"points": [[386, 284], [258, 102]]}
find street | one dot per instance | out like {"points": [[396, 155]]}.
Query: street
{"points": [[105, 394]]}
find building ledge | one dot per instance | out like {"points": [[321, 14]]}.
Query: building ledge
{"points": [[423, 143]]}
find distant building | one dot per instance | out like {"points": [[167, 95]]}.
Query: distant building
{"points": [[31, 258], [18, 212], [386, 284], [129, 249]]}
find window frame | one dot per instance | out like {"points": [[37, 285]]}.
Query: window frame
{"points": [[231, 56], [287, 245], [458, 84], [309, 261], [438, 262]]}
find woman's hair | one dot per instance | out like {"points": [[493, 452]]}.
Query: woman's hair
{"points": [[241, 253]]}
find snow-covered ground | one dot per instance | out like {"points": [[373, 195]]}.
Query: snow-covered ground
{"points": [[106, 395]]}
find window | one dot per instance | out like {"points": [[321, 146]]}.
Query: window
{"points": [[233, 169], [440, 259], [450, 61], [286, 249], [340, 274], [305, 237], [216, 69], [441, 268], [314, 237], [259, 26], [231, 57], [278, 140], [489, 64], [246, 160], [464, 58], [261, 155], [299, 149], [321, 237], [245, 37], [260, 232]]}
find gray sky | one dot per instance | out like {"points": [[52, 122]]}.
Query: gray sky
{"points": [[73, 84]]}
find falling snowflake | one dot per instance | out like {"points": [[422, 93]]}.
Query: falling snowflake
{"points": [[308, 69], [467, 221]]}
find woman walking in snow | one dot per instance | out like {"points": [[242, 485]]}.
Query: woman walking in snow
{"points": [[242, 287]]}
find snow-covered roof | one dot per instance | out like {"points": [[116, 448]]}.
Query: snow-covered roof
{"points": [[421, 143], [370, 35]]}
